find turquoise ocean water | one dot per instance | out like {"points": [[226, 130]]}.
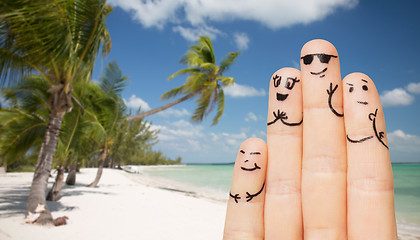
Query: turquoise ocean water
{"points": [[218, 178]]}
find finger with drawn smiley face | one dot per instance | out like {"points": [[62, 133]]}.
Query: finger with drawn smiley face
{"points": [[283, 215], [369, 170], [245, 208]]}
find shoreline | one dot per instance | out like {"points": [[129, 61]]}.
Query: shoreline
{"points": [[143, 177], [127, 205]]}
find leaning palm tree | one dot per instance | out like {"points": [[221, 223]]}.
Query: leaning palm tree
{"points": [[59, 40], [205, 81], [110, 110]]}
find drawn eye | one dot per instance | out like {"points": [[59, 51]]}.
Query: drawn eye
{"points": [[290, 83], [324, 58], [276, 80], [364, 87], [351, 89], [308, 59]]}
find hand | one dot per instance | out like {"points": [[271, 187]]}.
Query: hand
{"points": [[327, 178]]}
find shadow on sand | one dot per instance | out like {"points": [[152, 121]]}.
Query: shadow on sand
{"points": [[14, 198]]}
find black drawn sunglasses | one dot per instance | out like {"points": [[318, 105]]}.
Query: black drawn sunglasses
{"points": [[324, 58]]}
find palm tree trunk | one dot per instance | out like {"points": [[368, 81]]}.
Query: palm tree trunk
{"points": [[5, 166], [159, 109], [102, 158], [36, 197], [71, 177], [58, 184]]}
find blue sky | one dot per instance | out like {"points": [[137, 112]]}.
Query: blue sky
{"points": [[379, 38]]}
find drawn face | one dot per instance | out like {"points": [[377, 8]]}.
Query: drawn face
{"points": [[285, 98], [364, 116], [319, 58], [360, 88], [250, 161], [288, 84], [323, 59]]}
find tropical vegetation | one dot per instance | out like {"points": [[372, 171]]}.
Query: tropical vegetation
{"points": [[205, 81], [53, 116]]}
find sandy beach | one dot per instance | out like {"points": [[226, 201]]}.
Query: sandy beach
{"points": [[123, 206], [119, 208]]}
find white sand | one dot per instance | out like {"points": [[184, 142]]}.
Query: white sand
{"points": [[119, 208], [123, 206]]}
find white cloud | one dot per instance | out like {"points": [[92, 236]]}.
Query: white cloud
{"points": [[183, 136], [242, 40], [191, 34], [237, 90], [414, 88], [136, 102], [403, 142], [171, 112], [149, 13], [251, 117], [396, 97], [273, 14]]}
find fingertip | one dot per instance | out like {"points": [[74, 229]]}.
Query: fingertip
{"points": [[318, 44], [284, 101], [362, 106], [250, 165], [320, 71], [253, 142]]}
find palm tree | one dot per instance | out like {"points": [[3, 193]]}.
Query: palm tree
{"points": [[132, 139], [110, 110], [205, 81], [60, 41]]}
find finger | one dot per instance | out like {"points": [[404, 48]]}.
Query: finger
{"points": [[245, 209], [282, 214], [370, 186], [324, 146]]}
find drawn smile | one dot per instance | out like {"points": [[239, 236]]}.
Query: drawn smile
{"points": [[282, 97], [251, 169], [319, 73], [364, 103], [358, 141]]}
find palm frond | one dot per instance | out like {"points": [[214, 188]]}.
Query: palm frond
{"points": [[20, 134], [210, 67], [203, 104], [112, 81], [53, 37], [220, 106], [172, 93], [33, 32], [226, 81], [192, 58], [206, 49], [228, 61], [185, 71], [195, 82]]}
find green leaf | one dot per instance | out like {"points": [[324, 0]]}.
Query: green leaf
{"points": [[220, 107]]}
